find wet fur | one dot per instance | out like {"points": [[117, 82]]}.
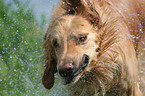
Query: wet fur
{"points": [[113, 69]]}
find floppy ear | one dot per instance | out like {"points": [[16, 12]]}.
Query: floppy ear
{"points": [[50, 68]]}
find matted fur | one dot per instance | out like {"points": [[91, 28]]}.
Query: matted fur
{"points": [[118, 36]]}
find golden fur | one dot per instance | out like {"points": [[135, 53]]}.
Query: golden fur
{"points": [[115, 46]]}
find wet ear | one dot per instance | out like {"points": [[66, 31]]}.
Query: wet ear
{"points": [[48, 76], [50, 68], [73, 6], [84, 8]]}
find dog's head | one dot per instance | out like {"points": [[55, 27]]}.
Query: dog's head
{"points": [[70, 44]]}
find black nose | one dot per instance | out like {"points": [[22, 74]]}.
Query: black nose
{"points": [[66, 70]]}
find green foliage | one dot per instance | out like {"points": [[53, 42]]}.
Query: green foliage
{"points": [[21, 64], [20, 52]]}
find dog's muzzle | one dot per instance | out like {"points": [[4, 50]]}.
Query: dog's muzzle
{"points": [[68, 71]]}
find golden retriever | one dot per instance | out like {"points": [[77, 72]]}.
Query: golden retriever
{"points": [[95, 46]]}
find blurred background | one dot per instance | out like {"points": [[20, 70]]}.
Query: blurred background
{"points": [[22, 27]]}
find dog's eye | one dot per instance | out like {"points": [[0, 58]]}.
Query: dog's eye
{"points": [[82, 39], [55, 43]]}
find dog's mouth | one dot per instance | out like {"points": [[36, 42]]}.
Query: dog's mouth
{"points": [[76, 72]]}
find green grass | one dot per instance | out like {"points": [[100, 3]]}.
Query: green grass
{"points": [[21, 63]]}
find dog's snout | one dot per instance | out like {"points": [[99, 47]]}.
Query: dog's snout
{"points": [[66, 70]]}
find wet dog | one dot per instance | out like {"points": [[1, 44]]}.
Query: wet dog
{"points": [[94, 46]]}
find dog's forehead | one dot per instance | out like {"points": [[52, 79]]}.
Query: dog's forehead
{"points": [[73, 25]]}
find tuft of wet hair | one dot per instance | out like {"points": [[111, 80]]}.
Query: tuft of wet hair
{"points": [[84, 8]]}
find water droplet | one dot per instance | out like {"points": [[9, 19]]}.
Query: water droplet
{"points": [[11, 57], [137, 37], [30, 59]]}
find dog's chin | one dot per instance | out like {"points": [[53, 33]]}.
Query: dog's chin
{"points": [[73, 81], [73, 78]]}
